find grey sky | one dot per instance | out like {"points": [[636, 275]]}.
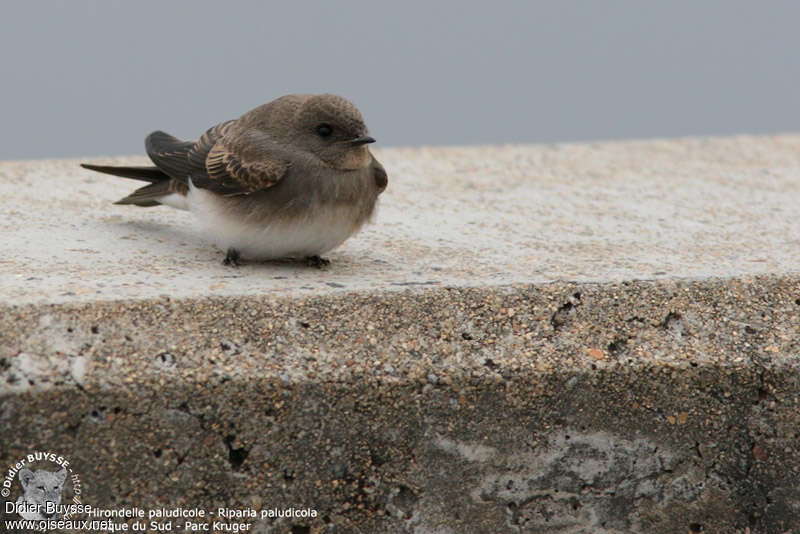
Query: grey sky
{"points": [[84, 78]]}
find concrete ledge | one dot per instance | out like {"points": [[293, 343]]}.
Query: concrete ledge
{"points": [[492, 399], [475, 216]]}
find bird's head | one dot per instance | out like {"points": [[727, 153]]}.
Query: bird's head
{"points": [[328, 126]]}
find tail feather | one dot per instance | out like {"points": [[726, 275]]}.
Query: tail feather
{"points": [[161, 190], [147, 196], [146, 174]]}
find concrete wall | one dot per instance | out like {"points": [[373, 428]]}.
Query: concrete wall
{"points": [[583, 338]]}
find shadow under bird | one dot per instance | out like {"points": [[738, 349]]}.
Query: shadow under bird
{"points": [[292, 178]]}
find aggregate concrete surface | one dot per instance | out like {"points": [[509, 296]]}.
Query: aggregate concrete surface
{"points": [[567, 338]]}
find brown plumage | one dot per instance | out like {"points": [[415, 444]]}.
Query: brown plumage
{"points": [[293, 177]]}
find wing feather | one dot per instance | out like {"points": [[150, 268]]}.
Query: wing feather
{"points": [[169, 154], [230, 172], [224, 160]]}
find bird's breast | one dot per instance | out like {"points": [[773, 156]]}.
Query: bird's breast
{"points": [[301, 226]]}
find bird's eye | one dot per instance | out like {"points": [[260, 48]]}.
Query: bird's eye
{"points": [[324, 130]]}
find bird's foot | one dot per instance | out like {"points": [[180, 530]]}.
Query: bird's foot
{"points": [[318, 262], [232, 258]]}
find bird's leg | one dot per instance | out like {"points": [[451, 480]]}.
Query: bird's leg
{"points": [[318, 262], [231, 258]]}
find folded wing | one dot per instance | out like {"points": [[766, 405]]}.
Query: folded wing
{"points": [[219, 161]]}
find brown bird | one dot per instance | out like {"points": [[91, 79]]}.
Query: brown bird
{"points": [[292, 178]]}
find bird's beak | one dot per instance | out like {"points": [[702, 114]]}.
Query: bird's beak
{"points": [[362, 140]]}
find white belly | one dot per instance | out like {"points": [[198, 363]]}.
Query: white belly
{"points": [[315, 234]]}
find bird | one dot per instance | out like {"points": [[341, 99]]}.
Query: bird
{"points": [[292, 178]]}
